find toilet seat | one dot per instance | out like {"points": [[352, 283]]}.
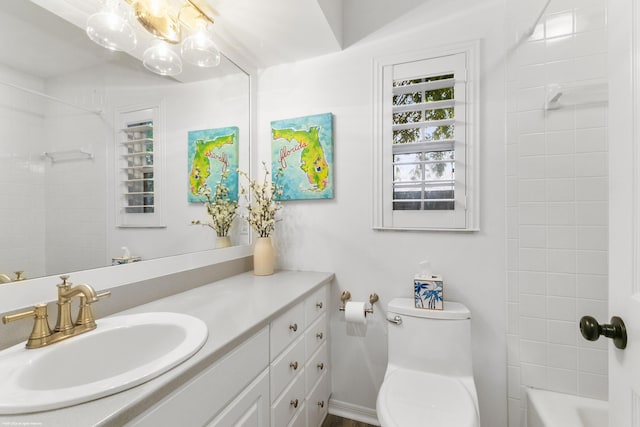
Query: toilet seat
{"points": [[411, 398]]}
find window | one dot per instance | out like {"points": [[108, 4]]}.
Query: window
{"points": [[425, 153], [138, 168]]}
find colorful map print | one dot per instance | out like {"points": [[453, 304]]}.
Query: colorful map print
{"points": [[303, 148], [211, 152]]}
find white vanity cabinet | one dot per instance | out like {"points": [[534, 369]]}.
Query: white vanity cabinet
{"points": [[299, 363], [234, 391]]}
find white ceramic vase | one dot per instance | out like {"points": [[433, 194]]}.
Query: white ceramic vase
{"points": [[263, 257], [223, 242]]}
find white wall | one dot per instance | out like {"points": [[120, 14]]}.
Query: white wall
{"points": [[336, 235], [557, 201], [22, 139]]}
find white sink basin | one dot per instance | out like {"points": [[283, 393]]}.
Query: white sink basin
{"points": [[124, 351]]}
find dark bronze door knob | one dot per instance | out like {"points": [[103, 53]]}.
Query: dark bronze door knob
{"points": [[591, 330]]}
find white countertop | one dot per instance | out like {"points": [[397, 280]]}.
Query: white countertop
{"points": [[233, 309]]}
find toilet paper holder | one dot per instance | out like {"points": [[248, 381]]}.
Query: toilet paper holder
{"points": [[346, 296]]}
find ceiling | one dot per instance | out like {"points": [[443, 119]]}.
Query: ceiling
{"points": [[256, 33]]}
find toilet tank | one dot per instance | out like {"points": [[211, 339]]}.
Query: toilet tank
{"points": [[437, 341]]}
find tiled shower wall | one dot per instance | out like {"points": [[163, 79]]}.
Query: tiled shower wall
{"points": [[557, 199]]}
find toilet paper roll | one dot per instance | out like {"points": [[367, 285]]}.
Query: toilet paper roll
{"points": [[354, 313]]}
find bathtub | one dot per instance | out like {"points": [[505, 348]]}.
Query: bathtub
{"points": [[551, 409]]}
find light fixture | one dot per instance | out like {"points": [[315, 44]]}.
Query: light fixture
{"points": [[110, 28], [165, 20], [161, 59]]}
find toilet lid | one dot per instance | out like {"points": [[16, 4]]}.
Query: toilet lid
{"points": [[418, 399]]}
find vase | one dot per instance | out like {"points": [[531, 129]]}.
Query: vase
{"points": [[223, 242], [263, 257]]}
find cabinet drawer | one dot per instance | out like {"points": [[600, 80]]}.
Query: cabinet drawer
{"points": [[316, 304], [289, 364], [316, 366], [289, 403], [316, 334], [318, 402], [250, 408], [300, 419], [287, 327], [204, 397]]}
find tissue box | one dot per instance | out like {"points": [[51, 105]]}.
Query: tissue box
{"points": [[125, 260], [428, 293]]}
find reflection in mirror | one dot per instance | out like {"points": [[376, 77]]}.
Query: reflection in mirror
{"points": [[60, 99]]}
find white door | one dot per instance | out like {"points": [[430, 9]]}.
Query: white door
{"points": [[624, 211]]}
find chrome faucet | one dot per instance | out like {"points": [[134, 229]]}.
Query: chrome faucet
{"points": [[41, 335]]}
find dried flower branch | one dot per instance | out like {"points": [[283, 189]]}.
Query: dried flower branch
{"points": [[262, 206], [221, 209]]}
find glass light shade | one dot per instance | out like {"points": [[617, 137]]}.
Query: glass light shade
{"points": [[198, 49], [108, 29], [161, 59]]}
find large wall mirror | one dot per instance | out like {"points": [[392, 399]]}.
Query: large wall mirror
{"points": [[60, 96]]}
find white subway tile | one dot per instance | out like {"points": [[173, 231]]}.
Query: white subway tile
{"points": [[533, 213], [592, 286], [590, 116], [533, 259], [512, 157], [533, 236], [592, 262], [591, 67], [532, 144], [592, 189], [559, 24], [531, 167], [531, 76], [512, 196], [559, 71], [596, 238], [530, 99], [593, 360], [532, 328], [513, 314], [592, 213], [595, 308], [513, 288], [561, 284], [562, 380], [559, 48], [562, 142], [513, 254], [531, 121], [561, 308], [560, 332], [533, 352], [532, 282], [562, 356], [591, 140], [560, 190], [560, 166], [513, 381], [513, 350], [531, 190], [592, 164], [513, 223], [594, 386], [531, 53], [561, 213], [590, 43], [560, 119], [561, 261], [591, 17], [561, 237], [533, 375]]}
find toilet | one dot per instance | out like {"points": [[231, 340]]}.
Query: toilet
{"points": [[429, 377]]}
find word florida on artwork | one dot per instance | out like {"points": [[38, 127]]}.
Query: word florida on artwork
{"points": [[212, 152], [303, 149]]}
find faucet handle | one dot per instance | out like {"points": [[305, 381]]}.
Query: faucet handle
{"points": [[85, 314], [41, 330]]}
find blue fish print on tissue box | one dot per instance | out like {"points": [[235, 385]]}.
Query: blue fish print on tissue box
{"points": [[428, 293]]}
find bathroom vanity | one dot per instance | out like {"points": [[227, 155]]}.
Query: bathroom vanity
{"points": [[265, 362]]}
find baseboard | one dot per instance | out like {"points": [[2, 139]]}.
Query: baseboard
{"points": [[353, 412]]}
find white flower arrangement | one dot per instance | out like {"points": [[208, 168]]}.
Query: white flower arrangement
{"points": [[263, 206], [221, 209]]}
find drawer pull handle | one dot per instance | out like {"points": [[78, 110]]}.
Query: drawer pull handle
{"points": [[293, 365], [319, 304], [294, 327], [319, 335], [321, 404], [320, 366], [294, 403]]}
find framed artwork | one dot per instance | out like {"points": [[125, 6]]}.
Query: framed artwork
{"points": [[303, 148], [212, 152]]}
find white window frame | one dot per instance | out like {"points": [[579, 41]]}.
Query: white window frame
{"points": [[465, 215]]}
